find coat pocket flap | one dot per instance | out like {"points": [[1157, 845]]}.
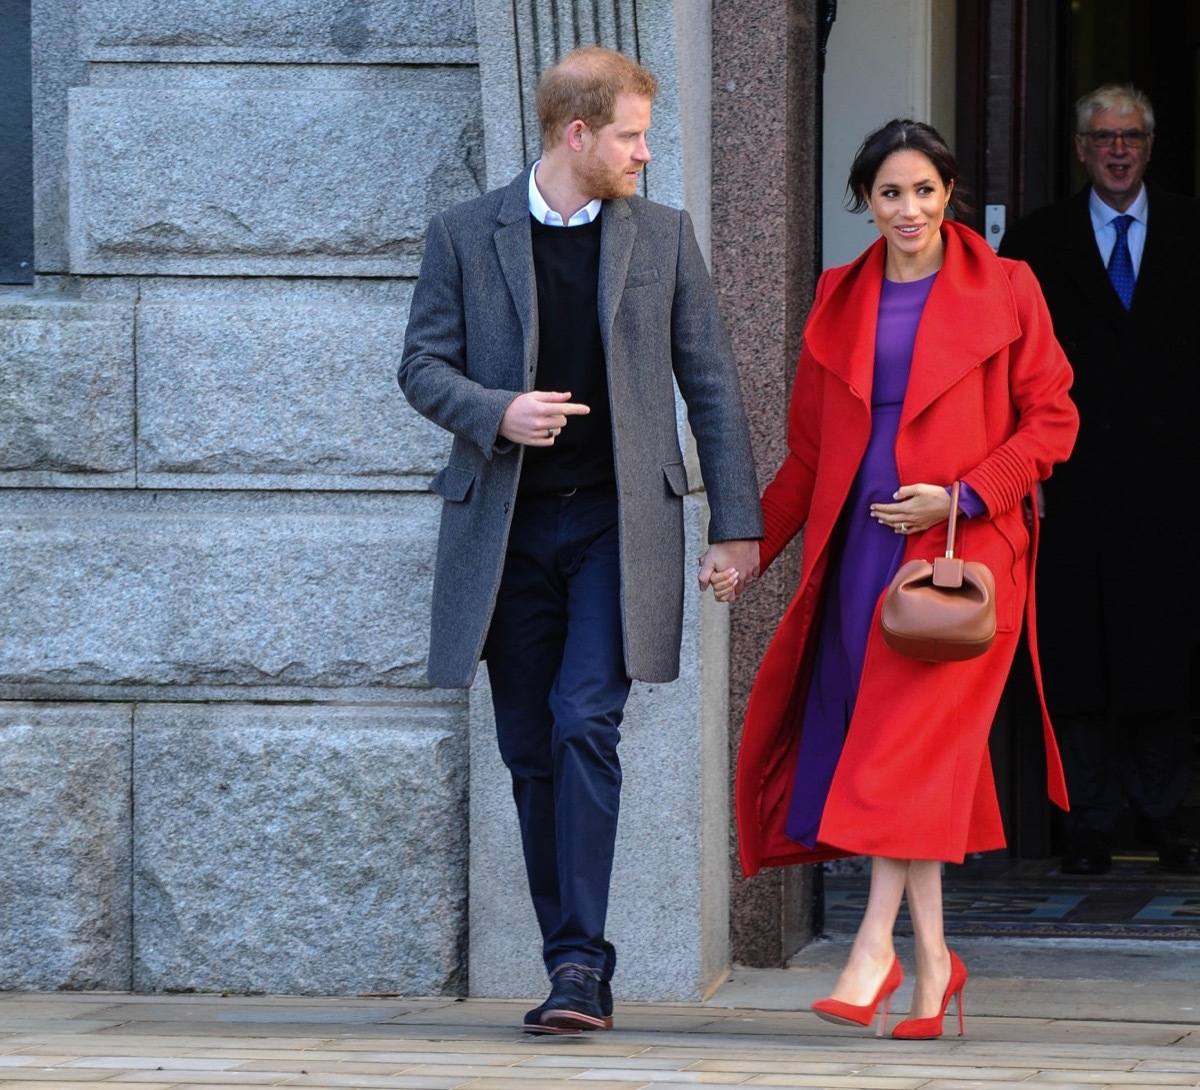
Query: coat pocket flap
{"points": [[638, 277], [676, 476], [453, 483]]}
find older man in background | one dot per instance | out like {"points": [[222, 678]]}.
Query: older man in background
{"points": [[1119, 264]]}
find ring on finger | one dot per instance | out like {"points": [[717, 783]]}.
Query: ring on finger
{"points": [[904, 527]]}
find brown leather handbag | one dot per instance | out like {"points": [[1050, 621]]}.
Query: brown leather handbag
{"points": [[943, 611]]}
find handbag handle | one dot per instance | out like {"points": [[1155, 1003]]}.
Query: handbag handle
{"points": [[953, 521]]}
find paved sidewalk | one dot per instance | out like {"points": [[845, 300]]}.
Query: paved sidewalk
{"points": [[1038, 1015]]}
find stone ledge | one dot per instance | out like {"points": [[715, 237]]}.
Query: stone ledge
{"points": [[362, 31]]}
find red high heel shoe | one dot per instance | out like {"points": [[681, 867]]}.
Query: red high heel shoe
{"points": [[848, 1014], [918, 1029]]}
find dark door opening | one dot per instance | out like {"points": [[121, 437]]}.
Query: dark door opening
{"points": [[1021, 66]]}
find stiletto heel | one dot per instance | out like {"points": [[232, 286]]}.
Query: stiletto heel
{"points": [[850, 1014], [918, 1029]]}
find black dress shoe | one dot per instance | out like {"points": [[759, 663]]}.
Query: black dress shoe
{"points": [[1090, 858], [574, 1001], [533, 1019], [1180, 855], [533, 1023]]}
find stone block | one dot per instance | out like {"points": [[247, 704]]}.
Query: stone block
{"points": [[302, 850], [204, 595], [369, 31], [66, 390], [64, 847], [283, 180], [279, 392], [669, 909]]}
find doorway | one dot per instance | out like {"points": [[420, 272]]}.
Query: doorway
{"points": [[1021, 66]]}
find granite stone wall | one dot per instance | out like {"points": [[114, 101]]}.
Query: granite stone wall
{"points": [[221, 766]]}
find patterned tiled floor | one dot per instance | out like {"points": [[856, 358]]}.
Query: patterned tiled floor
{"points": [[1137, 900]]}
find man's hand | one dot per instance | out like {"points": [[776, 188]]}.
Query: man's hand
{"points": [[740, 556], [536, 418]]}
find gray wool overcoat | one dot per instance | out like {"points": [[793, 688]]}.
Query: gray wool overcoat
{"points": [[472, 345]]}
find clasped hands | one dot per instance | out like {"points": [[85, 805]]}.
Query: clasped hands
{"points": [[728, 567]]}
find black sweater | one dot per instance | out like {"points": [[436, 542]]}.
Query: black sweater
{"points": [[566, 262]]}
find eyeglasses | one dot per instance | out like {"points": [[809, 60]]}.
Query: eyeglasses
{"points": [[1105, 138]]}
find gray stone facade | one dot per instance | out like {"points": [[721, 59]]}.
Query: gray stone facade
{"points": [[222, 768]]}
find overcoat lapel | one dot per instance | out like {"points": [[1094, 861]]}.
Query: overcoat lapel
{"points": [[969, 317], [1154, 278], [1083, 262], [617, 234], [841, 333], [514, 249]]}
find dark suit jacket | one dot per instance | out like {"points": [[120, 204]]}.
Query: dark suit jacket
{"points": [[471, 346], [1115, 579]]}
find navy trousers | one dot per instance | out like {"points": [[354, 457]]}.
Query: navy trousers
{"points": [[557, 669]]}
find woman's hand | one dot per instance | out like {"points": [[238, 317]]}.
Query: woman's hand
{"points": [[725, 584], [734, 561], [917, 508]]}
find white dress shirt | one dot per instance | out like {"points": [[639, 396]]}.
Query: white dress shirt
{"points": [[543, 213]]}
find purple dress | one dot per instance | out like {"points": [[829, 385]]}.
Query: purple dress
{"points": [[866, 556]]}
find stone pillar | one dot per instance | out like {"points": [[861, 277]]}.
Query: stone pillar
{"points": [[669, 915], [766, 161]]}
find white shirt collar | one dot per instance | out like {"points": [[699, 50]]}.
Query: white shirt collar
{"points": [[1102, 214], [543, 213]]}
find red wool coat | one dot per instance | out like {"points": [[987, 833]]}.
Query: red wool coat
{"points": [[987, 404]]}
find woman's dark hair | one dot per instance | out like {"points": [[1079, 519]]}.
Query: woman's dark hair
{"points": [[904, 135]]}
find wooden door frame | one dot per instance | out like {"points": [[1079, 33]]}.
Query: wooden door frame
{"points": [[1011, 125]]}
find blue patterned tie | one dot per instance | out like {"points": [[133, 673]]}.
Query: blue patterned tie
{"points": [[1120, 264]]}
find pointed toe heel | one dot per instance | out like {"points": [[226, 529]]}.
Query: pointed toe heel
{"points": [[923, 1029], [850, 1014]]}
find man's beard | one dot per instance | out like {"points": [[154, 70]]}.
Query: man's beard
{"points": [[601, 182]]}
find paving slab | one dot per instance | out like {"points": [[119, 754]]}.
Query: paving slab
{"points": [[1111, 1017]]}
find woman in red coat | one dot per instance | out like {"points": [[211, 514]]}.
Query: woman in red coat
{"points": [[928, 360]]}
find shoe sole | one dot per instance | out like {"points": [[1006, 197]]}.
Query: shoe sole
{"points": [[561, 1021], [838, 1020], [538, 1029]]}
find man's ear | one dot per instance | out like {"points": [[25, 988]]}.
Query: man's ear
{"points": [[573, 135]]}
